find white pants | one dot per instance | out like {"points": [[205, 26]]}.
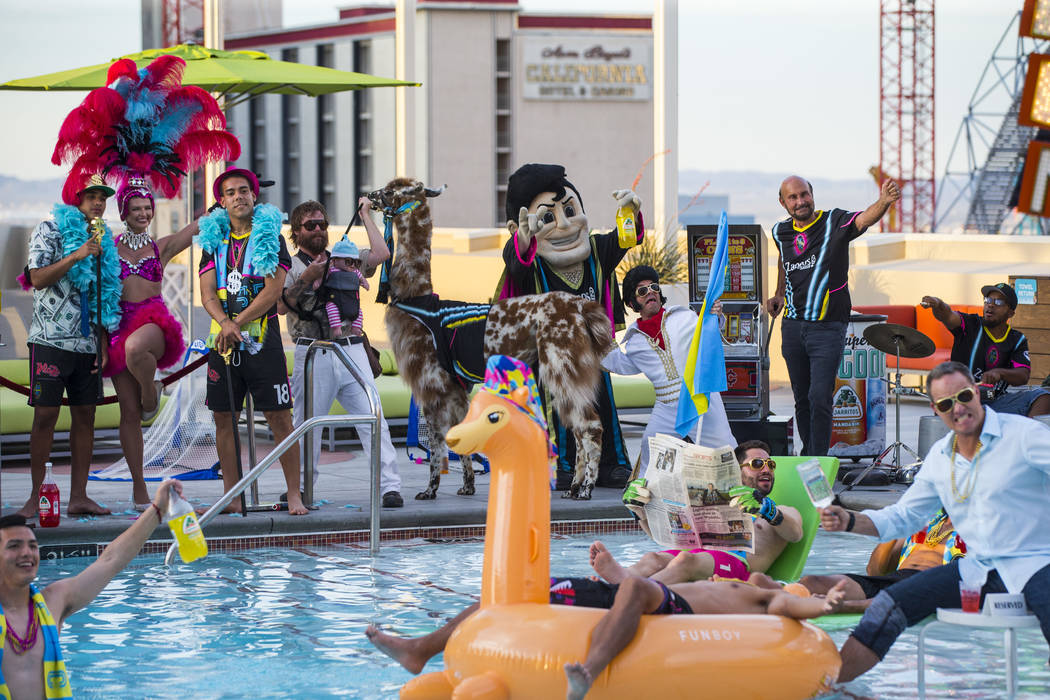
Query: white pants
{"points": [[332, 380], [713, 427]]}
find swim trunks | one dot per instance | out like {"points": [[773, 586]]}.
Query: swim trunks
{"points": [[727, 564], [591, 593]]}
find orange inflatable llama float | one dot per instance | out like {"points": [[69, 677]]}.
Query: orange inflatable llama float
{"points": [[516, 644]]}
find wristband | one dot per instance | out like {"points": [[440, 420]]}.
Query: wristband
{"points": [[852, 522]]}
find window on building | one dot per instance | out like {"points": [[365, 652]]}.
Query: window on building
{"points": [[326, 177], [257, 129], [291, 166], [503, 127], [362, 124]]}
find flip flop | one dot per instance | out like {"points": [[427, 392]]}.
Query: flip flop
{"points": [[142, 507]]}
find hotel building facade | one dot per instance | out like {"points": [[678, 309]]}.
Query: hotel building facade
{"points": [[499, 88]]}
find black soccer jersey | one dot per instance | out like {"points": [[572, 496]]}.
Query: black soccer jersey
{"points": [[975, 347], [816, 265]]}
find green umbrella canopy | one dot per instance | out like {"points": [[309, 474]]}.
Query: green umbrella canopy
{"points": [[241, 73]]}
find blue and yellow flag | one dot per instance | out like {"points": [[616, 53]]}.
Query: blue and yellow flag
{"points": [[705, 366]]}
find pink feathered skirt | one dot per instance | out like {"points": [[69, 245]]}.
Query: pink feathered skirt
{"points": [[134, 315]]}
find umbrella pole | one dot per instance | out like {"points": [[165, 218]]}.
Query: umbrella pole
{"points": [[233, 421]]}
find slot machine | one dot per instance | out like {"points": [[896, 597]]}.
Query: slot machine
{"points": [[746, 397]]}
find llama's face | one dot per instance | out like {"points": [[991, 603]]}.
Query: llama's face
{"points": [[563, 235], [399, 192]]}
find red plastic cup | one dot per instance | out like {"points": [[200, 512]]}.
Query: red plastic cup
{"points": [[970, 595]]}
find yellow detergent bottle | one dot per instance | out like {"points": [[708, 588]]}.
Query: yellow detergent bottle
{"points": [[185, 528], [625, 226]]}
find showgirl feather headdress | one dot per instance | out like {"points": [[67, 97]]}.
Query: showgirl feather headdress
{"points": [[145, 128]]}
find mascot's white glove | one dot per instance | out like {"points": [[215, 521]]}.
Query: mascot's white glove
{"points": [[529, 225], [627, 198]]}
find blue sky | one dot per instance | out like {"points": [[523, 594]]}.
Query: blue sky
{"points": [[763, 85]]}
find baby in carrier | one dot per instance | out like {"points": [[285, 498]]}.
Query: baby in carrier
{"points": [[341, 293]]}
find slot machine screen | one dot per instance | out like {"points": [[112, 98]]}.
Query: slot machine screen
{"points": [[743, 279]]}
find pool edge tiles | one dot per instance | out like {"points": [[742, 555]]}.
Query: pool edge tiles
{"points": [[316, 539]]}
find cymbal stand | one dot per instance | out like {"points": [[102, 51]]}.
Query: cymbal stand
{"points": [[900, 473]]}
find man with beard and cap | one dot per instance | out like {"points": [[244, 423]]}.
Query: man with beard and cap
{"points": [[63, 335], [993, 351], [775, 527], [657, 344], [551, 250], [811, 289], [308, 321]]}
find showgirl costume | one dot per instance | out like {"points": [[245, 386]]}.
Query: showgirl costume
{"points": [[143, 131]]}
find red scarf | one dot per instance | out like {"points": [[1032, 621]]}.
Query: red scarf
{"points": [[651, 327]]}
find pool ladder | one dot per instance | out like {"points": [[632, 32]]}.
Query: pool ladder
{"points": [[307, 428]]}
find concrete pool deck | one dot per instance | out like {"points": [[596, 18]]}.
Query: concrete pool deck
{"points": [[342, 493]]}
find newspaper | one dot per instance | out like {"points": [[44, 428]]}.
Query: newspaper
{"points": [[689, 506]]}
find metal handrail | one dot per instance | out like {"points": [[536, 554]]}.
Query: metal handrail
{"points": [[306, 427]]}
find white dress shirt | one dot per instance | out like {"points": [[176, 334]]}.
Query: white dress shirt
{"points": [[1005, 522]]}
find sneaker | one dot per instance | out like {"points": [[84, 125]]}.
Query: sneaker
{"points": [[616, 478], [392, 499]]}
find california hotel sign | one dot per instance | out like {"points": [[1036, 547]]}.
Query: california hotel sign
{"points": [[571, 67]]}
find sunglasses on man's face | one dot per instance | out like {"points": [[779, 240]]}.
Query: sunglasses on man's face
{"points": [[948, 402], [994, 301], [643, 289], [315, 225], [757, 463]]}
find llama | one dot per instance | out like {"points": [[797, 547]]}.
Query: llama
{"points": [[440, 346]]}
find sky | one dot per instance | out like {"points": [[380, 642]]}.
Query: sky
{"points": [[764, 85]]}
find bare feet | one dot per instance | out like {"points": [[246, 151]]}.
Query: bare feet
{"points": [[85, 506], [400, 649], [579, 681], [605, 564], [31, 509], [295, 505], [835, 598]]}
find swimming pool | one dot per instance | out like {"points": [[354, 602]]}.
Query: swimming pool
{"points": [[276, 623]]}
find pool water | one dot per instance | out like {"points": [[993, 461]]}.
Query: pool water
{"points": [[279, 623]]}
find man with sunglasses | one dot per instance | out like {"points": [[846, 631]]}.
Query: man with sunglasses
{"points": [[995, 353], [775, 527], [991, 475], [308, 321], [658, 345]]}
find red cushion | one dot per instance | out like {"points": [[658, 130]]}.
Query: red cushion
{"points": [[895, 313]]}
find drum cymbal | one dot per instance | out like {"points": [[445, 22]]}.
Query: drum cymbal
{"points": [[889, 336]]}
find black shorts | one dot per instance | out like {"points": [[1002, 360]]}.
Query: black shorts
{"points": [[265, 374], [872, 585], [591, 593], [53, 371]]}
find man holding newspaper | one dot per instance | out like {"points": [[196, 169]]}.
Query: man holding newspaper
{"points": [[731, 532]]}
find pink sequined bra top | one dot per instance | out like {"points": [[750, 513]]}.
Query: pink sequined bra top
{"points": [[148, 268]]}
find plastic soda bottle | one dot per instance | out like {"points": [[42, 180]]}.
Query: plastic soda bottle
{"points": [[50, 502], [185, 528], [816, 483], [628, 235]]}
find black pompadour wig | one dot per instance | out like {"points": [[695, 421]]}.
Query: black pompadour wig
{"points": [[630, 284], [533, 179]]}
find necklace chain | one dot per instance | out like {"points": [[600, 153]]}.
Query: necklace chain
{"points": [[19, 645], [133, 240], [971, 480], [572, 276], [238, 252]]}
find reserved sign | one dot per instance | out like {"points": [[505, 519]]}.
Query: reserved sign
{"points": [[1005, 604]]}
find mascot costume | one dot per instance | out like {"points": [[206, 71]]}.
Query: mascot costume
{"points": [[551, 250]]}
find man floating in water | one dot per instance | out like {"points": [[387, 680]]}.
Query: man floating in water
{"points": [[626, 602]]}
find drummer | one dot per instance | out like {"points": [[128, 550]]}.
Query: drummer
{"points": [[994, 352]]}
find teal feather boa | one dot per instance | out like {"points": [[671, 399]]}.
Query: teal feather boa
{"points": [[266, 233], [73, 225]]}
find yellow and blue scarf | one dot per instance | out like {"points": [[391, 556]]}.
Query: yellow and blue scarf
{"points": [[56, 680]]}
